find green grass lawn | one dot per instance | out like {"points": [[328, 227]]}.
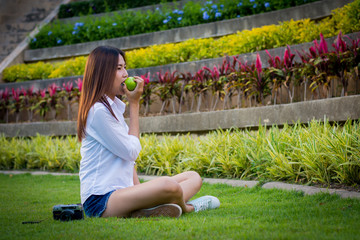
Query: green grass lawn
{"points": [[244, 214]]}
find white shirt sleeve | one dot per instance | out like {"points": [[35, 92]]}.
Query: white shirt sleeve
{"points": [[113, 135]]}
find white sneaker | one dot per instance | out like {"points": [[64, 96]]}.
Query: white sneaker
{"points": [[164, 210], [205, 203]]}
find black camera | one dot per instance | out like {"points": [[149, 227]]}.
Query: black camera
{"points": [[68, 212]]}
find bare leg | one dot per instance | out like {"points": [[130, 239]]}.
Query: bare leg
{"points": [[177, 189], [190, 183]]}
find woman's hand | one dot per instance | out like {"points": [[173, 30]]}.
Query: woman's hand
{"points": [[134, 99], [135, 95]]}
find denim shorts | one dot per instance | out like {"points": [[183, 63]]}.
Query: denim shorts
{"points": [[95, 205]]}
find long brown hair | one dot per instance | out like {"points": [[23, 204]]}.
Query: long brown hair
{"points": [[99, 76]]}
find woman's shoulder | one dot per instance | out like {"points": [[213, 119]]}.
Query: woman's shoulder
{"points": [[100, 111], [96, 109], [99, 107]]}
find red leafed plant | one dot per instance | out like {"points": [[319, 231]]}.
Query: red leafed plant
{"points": [[16, 103], [42, 106], [168, 89], [281, 73], [29, 100], [67, 92], [148, 91], [54, 99], [218, 76], [4, 103], [341, 60], [259, 82]]}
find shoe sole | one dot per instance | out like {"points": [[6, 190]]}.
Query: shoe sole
{"points": [[164, 210]]}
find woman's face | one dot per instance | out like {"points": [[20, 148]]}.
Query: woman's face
{"points": [[121, 75]]}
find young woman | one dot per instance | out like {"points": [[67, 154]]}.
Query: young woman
{"points": [[109, 147]]}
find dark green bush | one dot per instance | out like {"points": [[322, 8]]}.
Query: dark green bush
{"points": [[131, 23], [99, 6]]}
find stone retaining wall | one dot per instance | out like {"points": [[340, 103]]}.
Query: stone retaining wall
{"points": [[333, 109]]}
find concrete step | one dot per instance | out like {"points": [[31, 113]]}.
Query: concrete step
{"points": [[19, 18]]}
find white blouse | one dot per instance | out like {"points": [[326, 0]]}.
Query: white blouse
{"points": [[108, 152]]}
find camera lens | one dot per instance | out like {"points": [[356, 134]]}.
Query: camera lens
{"points": [[66, 215]]}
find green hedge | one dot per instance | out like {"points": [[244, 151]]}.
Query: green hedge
{"points": [[317, 153], [131, 23], [75, 9]]}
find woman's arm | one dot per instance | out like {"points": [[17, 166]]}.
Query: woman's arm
{"points": [[134, 119], [134, 105]]}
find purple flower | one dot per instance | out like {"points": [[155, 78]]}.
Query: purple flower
{"points": [[59, 41], [49, 33], [255, 5], [240, 4], [217, 15], [179, 19], [252, 1], [114, 24], [267, 4], [206, 16], [79, 24], [165, 21]]}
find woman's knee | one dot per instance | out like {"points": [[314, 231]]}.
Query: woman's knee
{"points": [[171, 187], [195, 177]]}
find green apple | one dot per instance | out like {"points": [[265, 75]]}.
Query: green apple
{"points": [[130, 83]]}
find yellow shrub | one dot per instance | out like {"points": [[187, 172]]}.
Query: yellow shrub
{"points": [[72, 67], [24, 72], [347, 18]]}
